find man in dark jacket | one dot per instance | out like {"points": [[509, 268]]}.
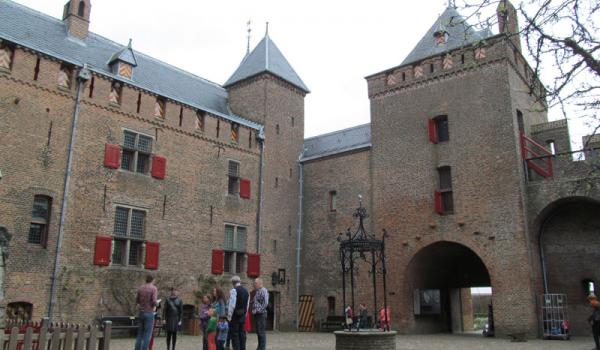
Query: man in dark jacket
{"points": [[236, 314], [594, 319]]}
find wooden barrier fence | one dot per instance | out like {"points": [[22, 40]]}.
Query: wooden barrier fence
{"points": [[56, 336]]}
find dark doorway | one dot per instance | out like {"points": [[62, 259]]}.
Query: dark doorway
{"points": [[440, 277], [19, 311], [569, 246]]}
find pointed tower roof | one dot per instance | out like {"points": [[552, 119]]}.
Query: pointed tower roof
{"points": [[126, 55], [459, 32], [266, 57]]}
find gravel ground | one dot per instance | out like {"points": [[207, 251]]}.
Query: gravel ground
{"points": [[326, 341]]}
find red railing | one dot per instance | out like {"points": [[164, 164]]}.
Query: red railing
{"points": [[537, 157]]}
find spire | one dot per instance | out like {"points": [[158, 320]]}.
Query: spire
{"points": [[266, 58], [249, 32]]}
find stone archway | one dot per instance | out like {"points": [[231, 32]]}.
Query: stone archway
{"points": [[569, 245], [439, 278]]}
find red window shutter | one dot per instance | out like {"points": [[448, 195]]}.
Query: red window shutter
{"points": [[253, 265], [103, 251], [112, 156], [152, 250], [218, 259], [433, 132], [438, 203], [245, 188], [159, 167]]}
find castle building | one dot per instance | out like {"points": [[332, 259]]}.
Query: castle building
{"points": [[115, 165]]}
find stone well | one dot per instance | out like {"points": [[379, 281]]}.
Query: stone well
{"points": [[365, 339]]}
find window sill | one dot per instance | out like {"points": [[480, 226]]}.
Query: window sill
{"points": [[125, 171], [126, 267]]}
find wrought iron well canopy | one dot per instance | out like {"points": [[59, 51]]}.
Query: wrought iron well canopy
{"points": [[363, 247]]}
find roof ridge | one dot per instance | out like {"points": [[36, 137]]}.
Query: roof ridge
{"points": [[337, 131]]}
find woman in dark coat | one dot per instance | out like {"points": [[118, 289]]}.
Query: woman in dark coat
{"points": [[172, 313]]}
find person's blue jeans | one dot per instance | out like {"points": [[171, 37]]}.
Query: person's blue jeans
{"points": [[144, 332], [261, 330]]}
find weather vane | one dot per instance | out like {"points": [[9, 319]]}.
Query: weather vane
{"points": [[249, 32]]}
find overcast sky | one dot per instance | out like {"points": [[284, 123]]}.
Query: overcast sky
{"points": [[332, 45]]}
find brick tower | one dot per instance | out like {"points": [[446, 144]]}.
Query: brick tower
{"points": [[447, 177], [266, 89]]}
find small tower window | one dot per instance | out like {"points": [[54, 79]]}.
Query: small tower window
{"points": [[36, 70], [445, 190], [277, 129], [81, 9], [551, 146], [293, 121], [332, 200], [180, 116], [403, 76], [431, 68]]}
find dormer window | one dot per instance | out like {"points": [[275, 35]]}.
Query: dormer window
{"points": [[123, 62], [125, 70], [440, 35]]}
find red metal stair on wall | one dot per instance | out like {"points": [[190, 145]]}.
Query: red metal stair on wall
{"points": [[537, 157]]}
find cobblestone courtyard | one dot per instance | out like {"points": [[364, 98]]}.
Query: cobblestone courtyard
{"points": [[326, 341]]}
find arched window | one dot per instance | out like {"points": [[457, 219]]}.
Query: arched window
{"points": [[81, 9], [40, 219]]}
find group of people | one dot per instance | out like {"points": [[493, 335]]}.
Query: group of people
{"points": [[362, 319], [224, 320]]}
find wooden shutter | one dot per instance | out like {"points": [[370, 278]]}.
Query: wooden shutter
{"points": [[439, 208], [245, 188], [103, 251], [253, 265], [433, 132], [159, 167], [152, 252], [112, 156], [218, 259]]}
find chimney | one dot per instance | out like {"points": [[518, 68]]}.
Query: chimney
{"points": [[76, 17], [508, 22]]}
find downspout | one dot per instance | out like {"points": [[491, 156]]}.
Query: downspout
{"points": [[299, 235], [82, 77], [261, 139]]}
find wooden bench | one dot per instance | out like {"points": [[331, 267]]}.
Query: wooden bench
{"points": [[332, 323]]}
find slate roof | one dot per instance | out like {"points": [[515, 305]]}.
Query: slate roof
{"points": [[354, 138], [460, 33], [48, 35], [266, 57]]}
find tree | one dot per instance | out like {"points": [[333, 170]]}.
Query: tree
{"points": [[562, 41]]}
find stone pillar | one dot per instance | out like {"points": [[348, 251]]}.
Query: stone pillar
{"points": [[467, 309]]}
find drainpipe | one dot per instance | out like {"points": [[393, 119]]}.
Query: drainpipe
{"points": [[261, 139], [82, 77], [299, 235]]}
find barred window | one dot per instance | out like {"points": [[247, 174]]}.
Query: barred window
{"points": [[233, 175], [129, 232], [40, 219], [137, 150], [234, 246]]}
